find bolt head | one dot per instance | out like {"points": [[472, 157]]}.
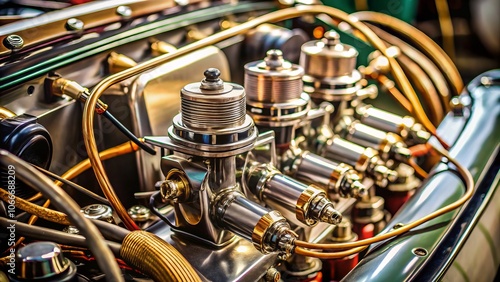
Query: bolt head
{"points": [[74, 24], [124, 11], [13, 42]]}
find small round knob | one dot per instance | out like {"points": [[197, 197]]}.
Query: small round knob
{"points": [[212, 80], [331, 38], [41, 260], [212, 74]]}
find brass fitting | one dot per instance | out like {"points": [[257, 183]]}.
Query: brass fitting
{"points": [[313, 205], [175, 187]]}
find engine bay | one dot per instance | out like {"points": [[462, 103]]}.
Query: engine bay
{"points": [[241, 141]]}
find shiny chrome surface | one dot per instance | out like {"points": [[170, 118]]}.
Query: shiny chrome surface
{"points": [[477, 135], [41, 260]]}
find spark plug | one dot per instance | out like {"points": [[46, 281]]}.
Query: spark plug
{"points": [[388, 144], [268, 230], [363, 159], [405, 126], [337, 178], [306, 204]]}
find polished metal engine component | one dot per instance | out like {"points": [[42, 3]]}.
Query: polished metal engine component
{"points": [[308, 204], [336, 178], [361, 158], [330, 68], [388, 144], [404, 126], [43, 261], [98, 212], [210, 130], [276, 101]]}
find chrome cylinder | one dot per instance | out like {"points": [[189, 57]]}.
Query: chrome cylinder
{"points": [[406, 127], [330, 68], [268, 230], [388, 144], [344, 151], [364, 160], [300, 203], [212, 104], [333, 177], [274, 92], [238, 214]]}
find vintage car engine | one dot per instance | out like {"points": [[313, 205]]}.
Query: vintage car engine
{"points": [[243, 141]]}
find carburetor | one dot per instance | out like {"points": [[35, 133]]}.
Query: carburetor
{"points": [[211, 129]]}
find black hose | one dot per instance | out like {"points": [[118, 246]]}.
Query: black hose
{"points": [[95, 242], [127, 133], [111, 231], [42, 233], [73, 185]]}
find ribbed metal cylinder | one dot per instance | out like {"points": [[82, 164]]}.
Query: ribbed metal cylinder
{"points": [[213, 104], [273, 80]]}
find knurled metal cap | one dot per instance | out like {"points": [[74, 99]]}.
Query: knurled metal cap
{"points": [[213, 103], [273, 79]]}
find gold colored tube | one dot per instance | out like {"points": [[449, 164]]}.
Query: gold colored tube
{"points": [[425, 86], [425, 63], [6, 113], [41, 212], [469, 188], [427, 45], [88, 112], [156, 258]]}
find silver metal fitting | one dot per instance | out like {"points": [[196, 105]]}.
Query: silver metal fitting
{"points": [[98, 212], [139, 213], [364, 160], [74, 24], [274, 91], [13, 42], [330, 68], [300, 203]]}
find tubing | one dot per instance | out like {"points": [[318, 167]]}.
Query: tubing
{"points": [[127, 133], [42, 233], [156, 258], [469, 184], [6, 113], [42, 212], [62, 201], [61, 180], [91, 102], [427, 45]]}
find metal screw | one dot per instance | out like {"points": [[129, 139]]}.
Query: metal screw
{"points": [[13, 42], [139, 213], [124, 11], [272, 275], [421, 252], [398, 225], [74, 24], [274, 59]]}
